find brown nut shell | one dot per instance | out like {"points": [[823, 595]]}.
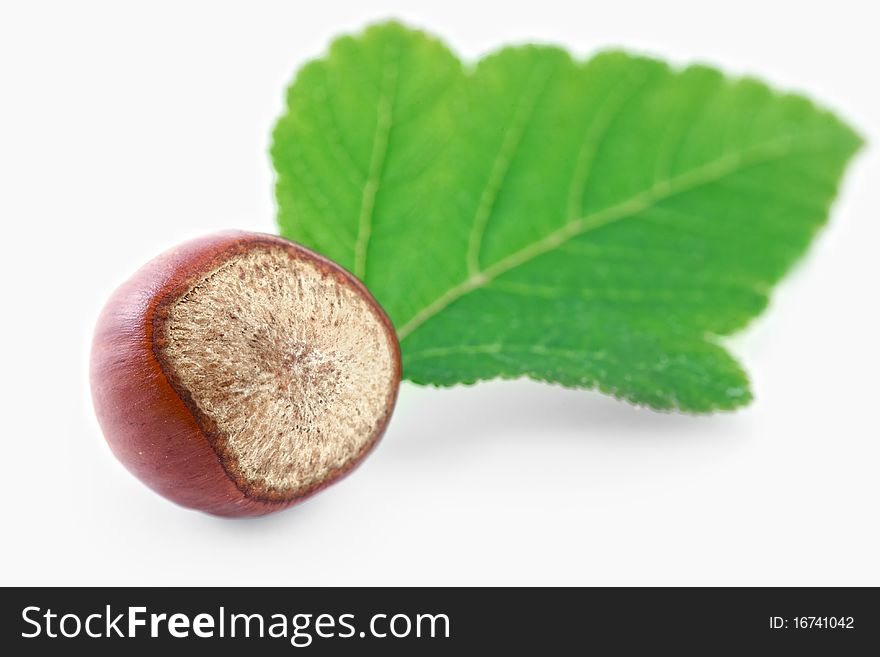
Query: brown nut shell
{"points": [[188, 447]]}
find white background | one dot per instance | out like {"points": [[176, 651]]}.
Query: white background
{"points": [[128, 127]]}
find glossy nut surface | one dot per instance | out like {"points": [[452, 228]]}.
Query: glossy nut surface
{"points": [[240, 373]]}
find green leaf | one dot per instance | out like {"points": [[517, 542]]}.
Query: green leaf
{"points": [[596, 224]]}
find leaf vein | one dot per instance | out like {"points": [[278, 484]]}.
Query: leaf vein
{"points": [[378, 158], [595, 135], [332, 132], [710, 172], [528, 102]]}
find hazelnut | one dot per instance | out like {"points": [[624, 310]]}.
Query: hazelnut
{"points": [[240, 373]]}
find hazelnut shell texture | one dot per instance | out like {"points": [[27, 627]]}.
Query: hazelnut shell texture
{"points": [[155, 427]]}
